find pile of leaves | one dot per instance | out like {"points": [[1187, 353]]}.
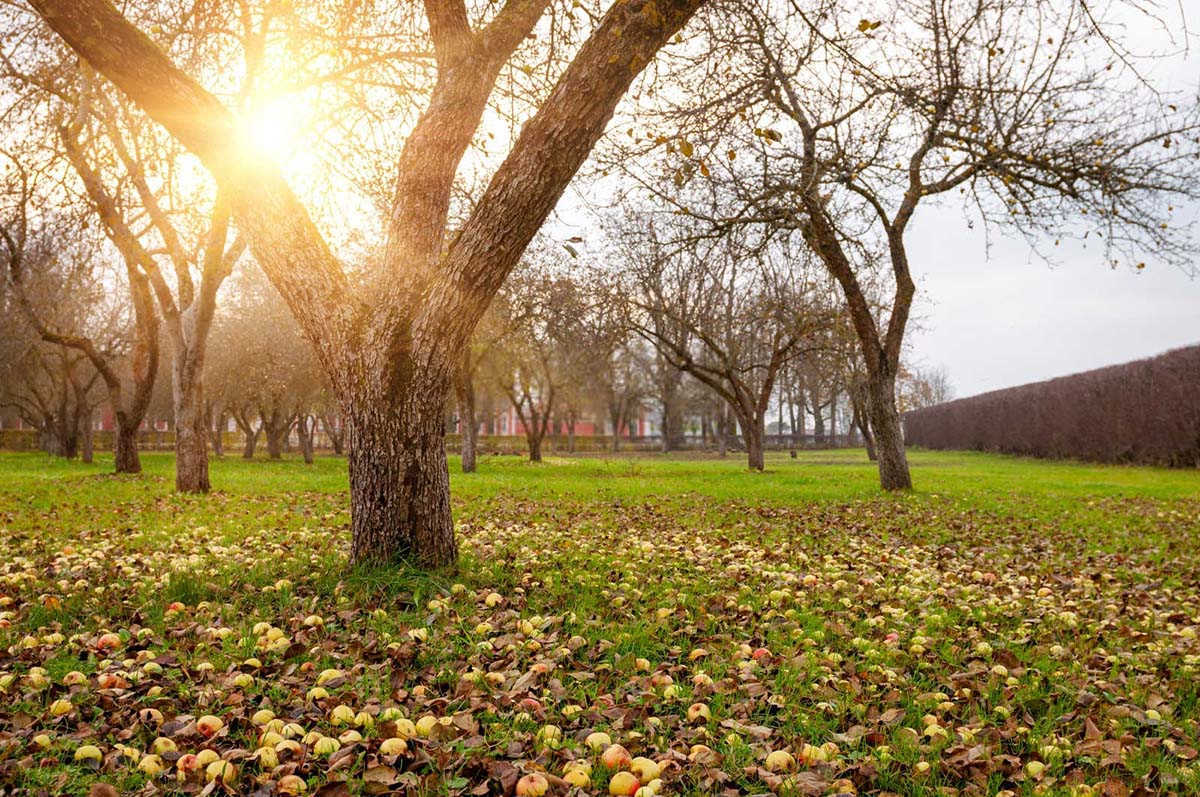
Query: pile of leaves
{"points": [[685, 646]]}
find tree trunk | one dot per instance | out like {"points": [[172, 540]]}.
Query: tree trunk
{"points": [[87, 438], [470, 442], [191, 434], [818, 424], [275, 442], [399, 482], [753, 430], [335, 435], [571, 432], [125, 450], [276, 429], [859, 401], [68, 438], [468, 427], [889, 436], [306, 429], [833, 408], [250, 444]]}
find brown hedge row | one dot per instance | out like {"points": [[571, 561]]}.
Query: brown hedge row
{"points": [[1145, 411]]}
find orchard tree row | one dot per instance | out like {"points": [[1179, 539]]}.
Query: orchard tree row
{"points": [[744, 174], [720, 356]]}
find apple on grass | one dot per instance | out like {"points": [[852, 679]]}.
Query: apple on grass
{"points": [[623, 783], [534, 785]]}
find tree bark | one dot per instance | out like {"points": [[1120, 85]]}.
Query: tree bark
{"points": [[860, 401], [889, 435], [125, 449], [275, 443], [754, 432], [399, 481], [306, 428], [470, 431], [468, 426], [833, 408], [87, 439], [191, 432], [250, 444]]}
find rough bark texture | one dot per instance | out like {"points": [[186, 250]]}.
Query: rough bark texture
{"points": [[125, 449], [191, 433], [889, 435], [399, 481], [754, 432]]}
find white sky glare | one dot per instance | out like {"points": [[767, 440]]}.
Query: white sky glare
{"points": [[1002, 318]]}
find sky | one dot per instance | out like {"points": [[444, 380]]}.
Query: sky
{"points": [[999, 318]]}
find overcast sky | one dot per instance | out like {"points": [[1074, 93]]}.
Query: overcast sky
{"points": [[1001, 318]]}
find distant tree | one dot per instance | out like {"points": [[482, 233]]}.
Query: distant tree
{"points": [[60, 281], [923, 387], [839, 129], [730, 310], [531, 363]]}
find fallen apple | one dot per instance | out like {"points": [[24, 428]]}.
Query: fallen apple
{"points": [[623, 783]]}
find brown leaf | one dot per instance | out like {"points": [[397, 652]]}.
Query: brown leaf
{"points": [[334, 788]]}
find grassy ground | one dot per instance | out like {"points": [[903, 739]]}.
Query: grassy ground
{"points": [[1012, 626]]}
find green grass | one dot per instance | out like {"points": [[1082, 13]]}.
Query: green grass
{"points": [[1038, 613]]}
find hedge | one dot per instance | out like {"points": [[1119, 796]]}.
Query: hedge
{"points": [[1145, 412]]}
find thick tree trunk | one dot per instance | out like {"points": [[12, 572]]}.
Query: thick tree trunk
{"points": [[250, 444], [68, 439], [275, 437], [399, 482], [191, 435], [754, 433], [889, 435], [534, 441], [125, 450], [48, 440]]}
